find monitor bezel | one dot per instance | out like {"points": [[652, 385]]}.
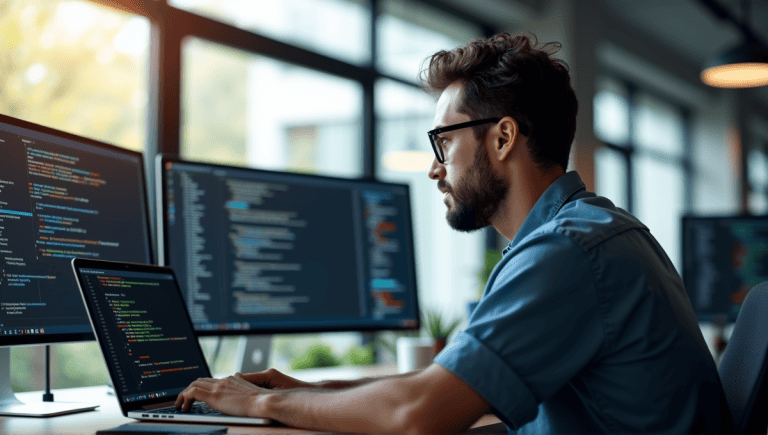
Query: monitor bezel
{"points": [[162, 254], [35, 340], [708, 317]]}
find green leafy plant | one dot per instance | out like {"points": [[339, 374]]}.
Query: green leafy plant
{"points": [[318, 355], [360, 355], [437, 326]]}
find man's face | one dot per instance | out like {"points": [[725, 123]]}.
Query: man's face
{"points": [[473, 189]]}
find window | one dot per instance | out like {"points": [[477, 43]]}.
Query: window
{"points": [[404, 114], [611, 124], [611, 176], [658, 171], [243, 109], [75, 66], [757, 175], [408, 32], [643, 166], [658, 127], [660, 202], [611, 112], [337, 28]]}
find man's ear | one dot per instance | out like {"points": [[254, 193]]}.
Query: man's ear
{"points": [[508, 139]]}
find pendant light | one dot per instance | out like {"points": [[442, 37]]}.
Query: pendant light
{"points": [[743, 66]]}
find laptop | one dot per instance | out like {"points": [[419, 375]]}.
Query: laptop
{"points": [[147, 339]]}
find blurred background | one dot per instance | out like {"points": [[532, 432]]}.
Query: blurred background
{"points": [[331, 87]]}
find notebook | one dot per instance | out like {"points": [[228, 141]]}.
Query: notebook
{"points": [[147, 339]]}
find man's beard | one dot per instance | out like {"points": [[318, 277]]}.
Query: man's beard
{"points": [[477, 195]]}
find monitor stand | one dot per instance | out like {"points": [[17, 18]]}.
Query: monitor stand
{"points": [[253, 353], [10, 405]]}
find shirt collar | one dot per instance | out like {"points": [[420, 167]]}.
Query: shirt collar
{"points": [[547, 206]]}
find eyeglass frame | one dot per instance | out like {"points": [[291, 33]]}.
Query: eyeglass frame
{"points": [[440, 155]]}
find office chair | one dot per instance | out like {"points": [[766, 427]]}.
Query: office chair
{"points": [[745, 362]]}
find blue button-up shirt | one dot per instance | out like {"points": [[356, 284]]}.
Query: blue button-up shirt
{"points": [[585, 326]]}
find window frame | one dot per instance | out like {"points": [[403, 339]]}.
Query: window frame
{"points": [[630, 149], [171, 26]]}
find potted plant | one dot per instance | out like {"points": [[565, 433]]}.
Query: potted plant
{"points": [[439, 329]]}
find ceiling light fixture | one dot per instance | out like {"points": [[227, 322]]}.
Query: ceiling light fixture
{"points": [[743, 66]]}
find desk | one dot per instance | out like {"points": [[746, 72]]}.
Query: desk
{"points": [[108, 414]]}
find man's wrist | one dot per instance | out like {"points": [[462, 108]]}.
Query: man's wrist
{"points": [[266, 405]]}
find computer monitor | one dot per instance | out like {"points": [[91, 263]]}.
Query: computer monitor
{"points": [[261, 251], [723, 258], [61, 196]]}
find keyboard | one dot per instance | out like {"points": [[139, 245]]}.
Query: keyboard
{"points": [[198, 408]]}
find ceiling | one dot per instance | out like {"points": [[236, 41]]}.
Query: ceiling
{"points": [[688, 26], [687, 29], [692, 30]]}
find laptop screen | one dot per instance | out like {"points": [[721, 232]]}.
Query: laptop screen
{"points": [[143, 329]]}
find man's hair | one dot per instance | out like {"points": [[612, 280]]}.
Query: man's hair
{"points": [[508, 75]]}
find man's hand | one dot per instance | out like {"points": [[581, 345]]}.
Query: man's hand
{"points": [[232, 395], [430, 401], [274, 379]]}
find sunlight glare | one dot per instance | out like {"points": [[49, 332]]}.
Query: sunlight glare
{"points": [[133, 38], [75, 18], [36, 73]]}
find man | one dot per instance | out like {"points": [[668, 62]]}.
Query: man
{"points": [[584, 325]]}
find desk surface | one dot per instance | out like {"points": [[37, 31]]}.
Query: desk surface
{"points": [[108, 414]]}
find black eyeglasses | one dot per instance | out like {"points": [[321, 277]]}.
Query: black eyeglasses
{"points": [[439, 153]]}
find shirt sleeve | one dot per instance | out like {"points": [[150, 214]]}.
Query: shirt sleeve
{"points": [[536, 327]]}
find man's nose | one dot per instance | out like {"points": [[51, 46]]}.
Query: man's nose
{"points": [[436, 170]]}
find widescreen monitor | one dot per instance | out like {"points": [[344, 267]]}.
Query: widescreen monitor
{"points": [[61, 196], [261, 251], [723, 258]]}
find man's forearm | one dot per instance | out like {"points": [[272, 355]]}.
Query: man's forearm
{"points": [[342, 384], [378, 405]]}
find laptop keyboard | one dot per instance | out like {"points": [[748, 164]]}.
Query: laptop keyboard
{"points": [[198, 408]]}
